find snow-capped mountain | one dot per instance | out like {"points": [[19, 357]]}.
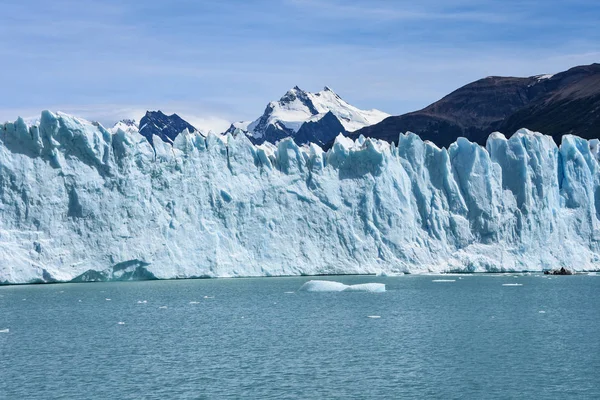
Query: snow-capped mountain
{"points": [[286, 116], [166, 127], [80, 203], [126, 125]]}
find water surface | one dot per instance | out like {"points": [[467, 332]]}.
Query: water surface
{"points": [[248, 338]]}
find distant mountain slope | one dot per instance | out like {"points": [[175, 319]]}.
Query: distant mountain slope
{"points": [[320, 131], [564, 103], [166, 127], [126, 125], [297, 108]]}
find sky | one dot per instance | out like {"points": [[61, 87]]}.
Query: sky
{"points": [[214, 62]]}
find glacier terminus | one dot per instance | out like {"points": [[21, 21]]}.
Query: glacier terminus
{"points": [[79, 202]]}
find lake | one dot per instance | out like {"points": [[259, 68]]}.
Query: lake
{"points": [[470, 337]]}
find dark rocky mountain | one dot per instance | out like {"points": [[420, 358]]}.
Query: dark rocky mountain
{"points": [[166, 127], [321, 131], [564, 103]]}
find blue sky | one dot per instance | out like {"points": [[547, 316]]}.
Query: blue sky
{"points": [[220, 61]]}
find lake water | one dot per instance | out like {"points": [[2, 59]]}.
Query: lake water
{"points": [[248, 338]]}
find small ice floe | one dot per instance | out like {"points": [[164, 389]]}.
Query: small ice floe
{"points": [[120, 323], [4, 330], [209, 297], [62, 291], [24, 299], [289, 292], [194, 302], [512, 284], [542, 312], [592, 274], [332, 286], [374, 316], [142, 301], [79, 301], [163, 307], [107, 299], [444, 280]]}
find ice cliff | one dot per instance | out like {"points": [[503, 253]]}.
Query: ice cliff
{"points": [[79, 202]]}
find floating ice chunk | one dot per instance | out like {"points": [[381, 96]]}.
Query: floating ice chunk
{"points": [[444, 280], [120, 323], [163, 307], [323, 286], [366, 287], [389, 273], [142, 301], [512, 284], [332, 286], [4, 330], [542, 312], [107, 299], [194, 302], [373, 316], [79, 301], [209, 297]]}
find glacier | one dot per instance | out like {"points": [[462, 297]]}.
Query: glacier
{"points": [[79, 202]]}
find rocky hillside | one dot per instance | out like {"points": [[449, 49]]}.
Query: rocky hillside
{"points": [[559, 104]]}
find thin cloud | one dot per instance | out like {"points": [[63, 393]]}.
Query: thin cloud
{"points": [[399, 12], [224, 61]]}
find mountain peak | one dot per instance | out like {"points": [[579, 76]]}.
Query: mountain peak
{"points": [[166, 127], [128, 122], [285, 117]]}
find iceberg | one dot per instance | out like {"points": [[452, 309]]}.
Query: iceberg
{"points": [[332, 286], [79, 202]]}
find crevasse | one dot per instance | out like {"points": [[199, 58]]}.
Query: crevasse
{"points": [[80, 202]]}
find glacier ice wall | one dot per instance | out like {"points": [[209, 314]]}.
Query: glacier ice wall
{"points": [[80, 202]]}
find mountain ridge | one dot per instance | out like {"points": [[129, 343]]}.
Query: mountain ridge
{"points": [[498, 103], [286, 116]]}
